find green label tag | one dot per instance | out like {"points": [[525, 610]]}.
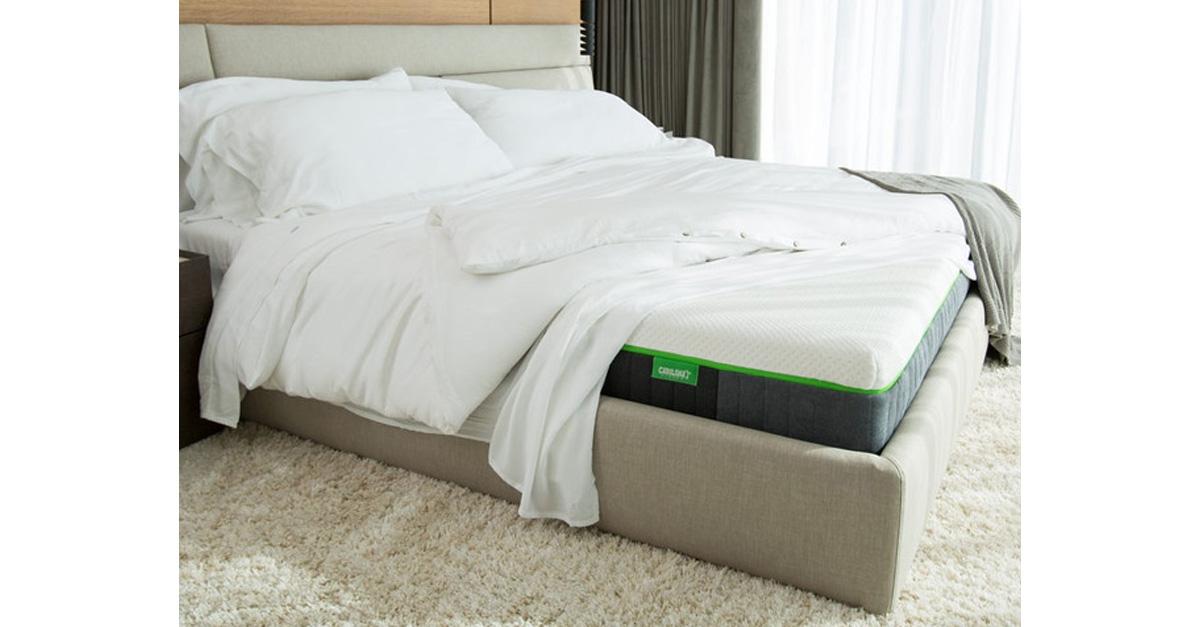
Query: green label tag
{"points": [[673, 370]]}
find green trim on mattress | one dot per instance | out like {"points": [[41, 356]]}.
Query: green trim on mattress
{"points": [[779, 376]]}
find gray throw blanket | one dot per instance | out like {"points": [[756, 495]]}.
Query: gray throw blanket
{"points": [[993, 224]]}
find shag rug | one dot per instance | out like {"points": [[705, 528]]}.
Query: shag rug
{"points": [[274, 529]]}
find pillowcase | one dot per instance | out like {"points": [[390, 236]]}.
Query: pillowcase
{"points": [[538, 127], [330, 151], [422, 83], [201, 102], [221, 191]]}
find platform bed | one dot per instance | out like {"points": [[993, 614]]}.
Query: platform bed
{"points": [[841, 523]]}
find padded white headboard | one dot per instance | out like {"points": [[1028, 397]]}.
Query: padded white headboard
{"points": [[540, 56]]}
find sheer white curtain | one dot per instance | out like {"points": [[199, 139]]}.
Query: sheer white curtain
{"points": [[927, 86]]}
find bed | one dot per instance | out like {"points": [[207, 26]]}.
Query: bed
{"points": [[709, 466]]}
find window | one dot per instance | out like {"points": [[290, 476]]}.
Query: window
{"points": [[928, 86]]}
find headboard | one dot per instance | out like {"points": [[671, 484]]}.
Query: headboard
{"points": [[508, 43], [540, 56]]}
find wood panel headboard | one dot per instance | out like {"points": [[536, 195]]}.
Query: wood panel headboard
{"points": [[379, 12]]}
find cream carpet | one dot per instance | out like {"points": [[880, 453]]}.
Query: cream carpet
{"points": [[277, 530]]}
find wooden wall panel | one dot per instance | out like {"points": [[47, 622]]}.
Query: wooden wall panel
{"points": [[335, 11], [535, 11]]}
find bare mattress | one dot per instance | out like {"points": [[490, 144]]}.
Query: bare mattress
{"points": [[833, 360]]}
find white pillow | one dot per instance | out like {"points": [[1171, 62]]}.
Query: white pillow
{"points": [[421, 83], [537, 127], [219, 190], [200, 102], [331, 151]]}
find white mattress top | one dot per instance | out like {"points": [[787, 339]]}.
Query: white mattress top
{"points": [[857, 329]]}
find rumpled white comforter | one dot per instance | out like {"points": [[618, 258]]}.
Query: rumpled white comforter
{"points": [[422, 307]]}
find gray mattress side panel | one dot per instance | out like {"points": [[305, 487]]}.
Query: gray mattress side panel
{"points": [[859, 422]]}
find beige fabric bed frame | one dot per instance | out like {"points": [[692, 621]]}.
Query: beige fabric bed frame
{"points": [[840, 523]]}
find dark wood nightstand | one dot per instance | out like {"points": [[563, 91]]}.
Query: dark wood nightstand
{"points": [[195, 307]]}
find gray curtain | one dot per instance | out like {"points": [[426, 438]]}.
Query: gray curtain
{"points": [[691, 66]]}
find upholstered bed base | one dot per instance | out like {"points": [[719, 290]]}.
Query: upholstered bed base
{"points": [[840, 523]]}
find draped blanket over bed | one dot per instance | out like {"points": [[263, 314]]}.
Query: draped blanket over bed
{"points": [[993, 222], [521, 289]]}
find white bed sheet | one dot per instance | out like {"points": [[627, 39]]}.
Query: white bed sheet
{"points": [[830, 326], [217, 238], [426, 314]]}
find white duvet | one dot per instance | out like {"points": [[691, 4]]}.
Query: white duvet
{"points": [[520, 291]]}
